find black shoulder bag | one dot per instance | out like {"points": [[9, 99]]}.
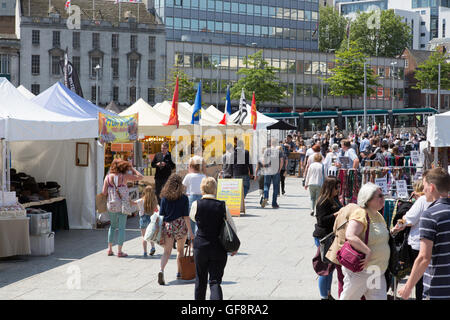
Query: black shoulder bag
{"points": [[227, 237]]}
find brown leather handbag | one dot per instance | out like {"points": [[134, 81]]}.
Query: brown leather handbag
{"points": [[187, 265]]}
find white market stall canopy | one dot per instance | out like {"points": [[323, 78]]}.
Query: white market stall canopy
{"points": [[438, 133], [150, 121], [58, 98], [24, 120], [28, 94]]}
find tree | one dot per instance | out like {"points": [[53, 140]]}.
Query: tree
{"points": [[186, 86], [332, 28], [348, 74], [381, 33], [427, 72], [259, 77]]}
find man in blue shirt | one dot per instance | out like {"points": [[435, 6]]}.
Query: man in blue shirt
{"points": [[365, 143], [433, 261]]}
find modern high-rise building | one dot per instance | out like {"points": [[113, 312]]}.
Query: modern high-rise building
{"points": [[428, 19], [209, 39]]}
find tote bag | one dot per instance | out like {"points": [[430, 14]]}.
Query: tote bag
{"points": [[187, 265]]}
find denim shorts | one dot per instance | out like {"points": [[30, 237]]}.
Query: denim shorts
{"points": [[144, 221]]}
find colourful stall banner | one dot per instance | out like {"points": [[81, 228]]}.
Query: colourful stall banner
{"points": [[117, 128], [231, 191]]}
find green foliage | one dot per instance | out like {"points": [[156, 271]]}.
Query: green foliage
{"points": [[259, 77], [348, 74], [332, 28], [186, 87], [427, 73], [389, 40]]}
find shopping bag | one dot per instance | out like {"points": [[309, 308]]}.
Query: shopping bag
{"points": [[100, 203], [154, 229], [187, 265]]}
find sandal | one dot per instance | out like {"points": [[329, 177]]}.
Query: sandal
{"points": [[122, 255], [110, 253]]}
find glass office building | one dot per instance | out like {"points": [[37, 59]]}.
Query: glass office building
{"points": [[282, 24]]}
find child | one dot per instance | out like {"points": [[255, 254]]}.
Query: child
{"points": [[147, 205]]}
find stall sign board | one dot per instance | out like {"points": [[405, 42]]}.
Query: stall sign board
{"points": [[402, 190], [231, 191], [345, 161], [382, 183], [117, 129], [415, 157]]}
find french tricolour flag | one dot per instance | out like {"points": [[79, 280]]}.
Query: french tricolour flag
{"points": [[227, 110]]}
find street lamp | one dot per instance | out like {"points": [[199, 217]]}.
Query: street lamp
{"points": [[365, 96], [217, 98], [439, 88], [392, 82], [97, 68]]}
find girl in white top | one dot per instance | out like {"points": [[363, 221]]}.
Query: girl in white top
{"points": [[147, 205]]}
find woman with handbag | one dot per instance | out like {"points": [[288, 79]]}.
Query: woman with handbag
{"points": [[210, 257], [326, 210], [368, 237], [115, 187], [176, 226]]}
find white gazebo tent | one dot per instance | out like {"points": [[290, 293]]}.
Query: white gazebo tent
{"points": [[150, 120], [43, 143], [28, 94]]}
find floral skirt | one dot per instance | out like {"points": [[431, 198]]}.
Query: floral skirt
{"points": [[175, 229]]}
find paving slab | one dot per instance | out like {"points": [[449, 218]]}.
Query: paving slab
{"points": [[274, 261]]}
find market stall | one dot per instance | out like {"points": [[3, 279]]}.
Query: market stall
{"points": [[25, 128], [71, 157]]}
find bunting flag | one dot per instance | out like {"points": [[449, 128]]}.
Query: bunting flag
{"points": [[173, 118], [196, 113], [242, 109], [67, 5], [253, 112], [227, 111]]}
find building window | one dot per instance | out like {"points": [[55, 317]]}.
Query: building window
{"points": [[96, 40], [133, 68], [55, 65], [115, 41], [443, 28], [35, 64], [151, 44], [133, 42], [115, 67], [35, 89], [132, 94], [56, 38], [76, 64], [151, 69], [4, 64], [94, 61], [35, 36], [115, 94], [76, 40], [447, 101], [151, 95]]}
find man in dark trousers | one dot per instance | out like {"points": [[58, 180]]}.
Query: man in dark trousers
{"points": [[164, 166], [242, 168]]}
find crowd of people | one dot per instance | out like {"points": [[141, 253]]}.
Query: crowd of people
{"points": [[193, 217]]}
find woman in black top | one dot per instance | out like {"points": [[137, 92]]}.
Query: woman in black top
{"points": [[326, 209], [210, 257]]}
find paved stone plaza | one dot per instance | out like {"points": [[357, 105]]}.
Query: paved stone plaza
{"points": [[274, 261]]}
